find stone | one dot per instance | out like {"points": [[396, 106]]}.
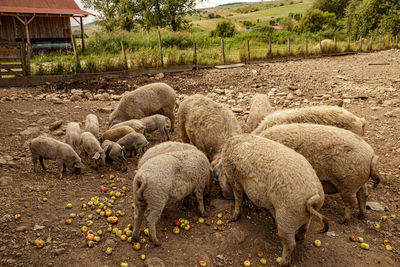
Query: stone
{"points": [[55, 125], [59, 251], [30, 131], [21, 228], [159, 76], [154, 262], [219, 91], [239, 236], [3, 161], [298, 92], [116, 97], [374, 206], [75, 98], [5, 218], [237, 109], [105, 110], [5, 180], [11, 262], [389, 114], [78, 92], [290, 96], [346, 101], [88, 95]]}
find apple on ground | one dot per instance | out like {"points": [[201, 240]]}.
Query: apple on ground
{"points": [[108, 251], [317, 243], [137, 246], [68, 221], [246, 263], [203, 263], [143, 257], [176, 230]]}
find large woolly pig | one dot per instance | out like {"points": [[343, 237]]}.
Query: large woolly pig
{"points": [[277, 178], [259, 108], [342, 160], [326, 115], [155, 98], [206, 124]]}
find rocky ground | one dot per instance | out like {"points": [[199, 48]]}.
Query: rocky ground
{"points": [[366, 84]]}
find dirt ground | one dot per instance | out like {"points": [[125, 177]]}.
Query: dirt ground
{"points": [[366, 84]]}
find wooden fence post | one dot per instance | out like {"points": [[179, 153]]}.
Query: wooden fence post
{"points": [[380, 40], [320, 45], [288, 46], [335, 44], [223, 51], [195, 56], [124, 55], [269, 47], [248, 50], [360, 44], [23, 60], [78, 62], [306, 50], [28, 61], [348, 43], [370, 43], [160, 49]]}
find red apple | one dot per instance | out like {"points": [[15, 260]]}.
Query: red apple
{"points": [[137, 246], [177, 223], [68, 221], [103, 189]]}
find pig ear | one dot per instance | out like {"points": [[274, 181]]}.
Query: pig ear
{"points": [[96, 155], [123, 149], [106, 148]]}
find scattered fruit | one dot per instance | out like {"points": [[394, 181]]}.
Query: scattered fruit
{"points": [[48, 239], [137, 246], [129, 240], [384, 218], [115, 230], [68, 221], [90, 243], [119, 233], [112, 219], [109, 229], [263, 261], [389, 248], [360, 239], [352, 238], [146, 231], [203, 263], [112, 176], [103, 189], [246, 263], [72, 215], [98, 211], [279, 259], [90, 216], [143, 257], [44, 199], [90, 237], [97, 238], [201, 220], [260, 254], [123, 237], [99, 232], [124, 188], [364, 246], [118, 194], [102, 213], [386, 242], [47, 193], [17, 216], [186, 227], [317, 243], [108, 251], [89, 223], [39, 244], [219, 215], [84, 229], [393, 216], [108, 212], [377, 226], [176, 230], [69, 206], [177, 223], [124, 264], [133, 205], [219, 223], [90, 203]]}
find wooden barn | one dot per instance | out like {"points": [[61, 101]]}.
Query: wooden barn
{"points": [[43, 23]]}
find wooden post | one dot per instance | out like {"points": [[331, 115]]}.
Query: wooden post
{"points": [[320, 45], [78, 63], [223, 51], [160, 49], [269, 47], [28, 60], [195, 56], [288, 46], [28, 38], [306, 50], [380, 40], [348, 43], [360, 44], [248, 50], [23, 59], [334, 41], [370, 43], [123, 54], [83, 36]]}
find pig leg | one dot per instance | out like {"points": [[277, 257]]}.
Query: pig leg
{"points": [[301, 233], [199, 195], [170, 114], [289, 243], [42, 163], [238, 194], [166, 132], [362, 201], [152, 218], [35, 160], [61, 168], [350, 204], [137, 218]]}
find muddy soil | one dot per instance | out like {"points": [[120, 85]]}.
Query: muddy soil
{"points": [[366, 84]]}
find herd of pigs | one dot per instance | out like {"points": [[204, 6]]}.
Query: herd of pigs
{"points": [[285, 163]]}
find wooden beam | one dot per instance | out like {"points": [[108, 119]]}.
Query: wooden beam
{"points": [[82, 36], [28, 38], [77, 21]]}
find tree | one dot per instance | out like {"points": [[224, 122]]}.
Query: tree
{"points": [[224, 29], [315, 20], [365, 16], [107, 10], [333, 6], [287, 23]]}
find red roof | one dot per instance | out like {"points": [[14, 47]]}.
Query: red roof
{"points": [[53, 7]]}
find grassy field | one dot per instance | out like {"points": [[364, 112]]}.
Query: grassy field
{"points": [[103, 51]]}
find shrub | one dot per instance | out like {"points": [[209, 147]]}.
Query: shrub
{"points": [[316, 20], [224, 29]]}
